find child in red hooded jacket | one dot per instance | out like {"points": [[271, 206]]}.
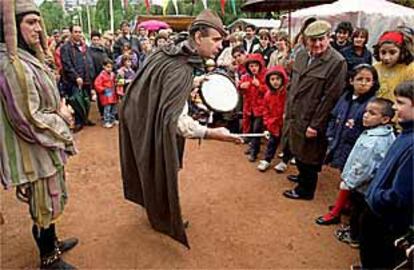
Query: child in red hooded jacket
{"points": [[253, 89], [274, 102], [105, 87]]}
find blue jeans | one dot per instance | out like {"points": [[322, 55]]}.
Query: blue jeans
{"points": [[109, 113]]}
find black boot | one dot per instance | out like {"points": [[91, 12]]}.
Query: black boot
{"points": [[53, 261], [49, 252], [64, 245]]}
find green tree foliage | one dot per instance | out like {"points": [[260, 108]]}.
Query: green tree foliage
{"points": [[53, 15], [102, 14]]}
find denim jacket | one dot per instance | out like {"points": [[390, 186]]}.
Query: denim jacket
{"points": [[366, 156]]}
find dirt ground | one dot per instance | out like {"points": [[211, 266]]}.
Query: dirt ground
{"points": [[238, 217]]}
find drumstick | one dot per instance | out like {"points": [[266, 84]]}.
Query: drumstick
{"points": [[265, 134]]}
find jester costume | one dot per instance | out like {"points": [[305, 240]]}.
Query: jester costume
{"points": [[34, 138]]}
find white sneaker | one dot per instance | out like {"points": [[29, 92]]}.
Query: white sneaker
{"points": [[293, 161], [263, 165], [107, 125], [280, 155], [116, 122], [280, 167]]}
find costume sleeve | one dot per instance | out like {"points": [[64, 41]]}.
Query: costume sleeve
{"points": [[332, 92], [188, 127]]}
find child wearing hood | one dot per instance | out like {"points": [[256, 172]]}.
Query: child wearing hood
{"points": [[253, 89], [274, 102]]}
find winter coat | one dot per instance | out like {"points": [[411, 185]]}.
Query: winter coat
{"points": [[97, 55], [274, 102], [151, 151], [265, 52], [254, 42], [76, 63], [366, 156], [253, 96], [353, 59], [119, 43], [105, 87], [345, 126], [313, 93], [390, 195]]}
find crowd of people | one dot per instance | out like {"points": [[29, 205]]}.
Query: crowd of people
{"points": [[319, 96]]}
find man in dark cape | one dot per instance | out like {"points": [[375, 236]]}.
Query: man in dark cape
{"points": [[152, 113]]}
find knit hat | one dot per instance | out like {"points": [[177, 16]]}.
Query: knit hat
{"points": [[210, 19], [8, 11]]}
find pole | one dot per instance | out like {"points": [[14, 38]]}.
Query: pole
{"points": [[80, 17], [89, 18], [111, 14]]}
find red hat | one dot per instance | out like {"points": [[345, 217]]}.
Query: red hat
{"points": [[393, 36]]}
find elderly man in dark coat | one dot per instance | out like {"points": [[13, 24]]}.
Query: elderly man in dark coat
{"points": [[318, 78], [154, 123]]}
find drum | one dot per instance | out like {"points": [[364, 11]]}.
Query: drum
{"points": [[219, 93]]}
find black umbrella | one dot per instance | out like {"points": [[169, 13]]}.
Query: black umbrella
{"points": [[276, 5]]}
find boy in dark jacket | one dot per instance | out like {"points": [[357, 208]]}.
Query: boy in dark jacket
{"points": [[274, 102], [390, 196]]}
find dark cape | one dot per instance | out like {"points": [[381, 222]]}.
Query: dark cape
{"points": [[150, 149]]}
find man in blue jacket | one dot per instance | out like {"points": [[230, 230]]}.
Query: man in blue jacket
{"points": [[390, 196]]}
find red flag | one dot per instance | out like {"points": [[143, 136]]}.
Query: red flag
{"points": [[223, 4], [148, 5]]}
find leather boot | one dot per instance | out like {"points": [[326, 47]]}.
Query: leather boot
{"points": [[53, 261], [64, 245]]}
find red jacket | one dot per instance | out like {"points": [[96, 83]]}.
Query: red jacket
{"points": [[253, 96], [274, 102], [105, 87]]}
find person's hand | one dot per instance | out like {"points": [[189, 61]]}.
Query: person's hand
{"points": [[66, 112], [198, 80], [244, 85], [79, 82], [311, 133], [93, 95], [256, 82], [194, 93], [222, 134]]}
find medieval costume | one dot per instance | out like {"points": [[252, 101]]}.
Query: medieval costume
{"points": [[153, 127], [34, 137]]}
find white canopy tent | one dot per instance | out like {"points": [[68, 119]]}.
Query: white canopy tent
{"points": [[375, 15]]}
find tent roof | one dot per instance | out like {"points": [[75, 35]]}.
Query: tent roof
{"points": [[382, 7], [276, 5], [258, 23]]}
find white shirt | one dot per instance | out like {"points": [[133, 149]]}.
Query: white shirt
{"points": [[188, 127]]}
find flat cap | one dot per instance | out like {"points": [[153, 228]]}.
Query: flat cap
{"points": [[317, 29]]}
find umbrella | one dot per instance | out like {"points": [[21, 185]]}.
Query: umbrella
{"points": [[153, 25], [275, 5]]}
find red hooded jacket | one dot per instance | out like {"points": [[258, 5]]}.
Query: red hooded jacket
{"points": [[274, 102], [253, 96], [105, 87]]}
